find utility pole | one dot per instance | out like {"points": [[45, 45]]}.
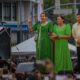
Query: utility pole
{"points": [[57, 4], [19, 31], [20, 25], [75, 7]]}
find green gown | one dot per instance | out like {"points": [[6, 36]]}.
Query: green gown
{"points": [[43, 43], [62, 54]]}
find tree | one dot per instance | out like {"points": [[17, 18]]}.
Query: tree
{"points": [[66, 1], [48, 3]]}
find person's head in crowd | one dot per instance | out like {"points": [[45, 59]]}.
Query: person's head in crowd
{"points": [[14, 76], [38, 75], [26, 57], [5, 71], [1, 72], [43, 17], [50, 69], [31, 58], [60, 20], [78, 17], [71, 77], [49, 65]]}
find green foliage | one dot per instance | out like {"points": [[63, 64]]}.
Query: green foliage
{"points": [[48, 3], [66, 1], [71, 18]]}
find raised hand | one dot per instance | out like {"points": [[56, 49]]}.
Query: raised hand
{"points": [[29, 24], [29, 21]]}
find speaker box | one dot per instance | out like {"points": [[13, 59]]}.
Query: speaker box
{"points": [[5, 43]]}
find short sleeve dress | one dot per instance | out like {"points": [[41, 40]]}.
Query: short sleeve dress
{"points": [[62, 54]]}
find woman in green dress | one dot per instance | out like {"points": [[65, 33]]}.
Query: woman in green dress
{"points": [[43, 43], [61, 34]]}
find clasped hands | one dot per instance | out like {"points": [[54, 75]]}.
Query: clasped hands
{"points": [[54, 36]]}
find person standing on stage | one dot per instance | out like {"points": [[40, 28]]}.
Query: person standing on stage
{"points": [[62, 60], [43, 42], [76, 36]]}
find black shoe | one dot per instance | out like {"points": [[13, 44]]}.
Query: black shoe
{"points": [[61, 72], [72, 76]]}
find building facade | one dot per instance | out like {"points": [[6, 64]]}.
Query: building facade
{"points": [[14, 13]]}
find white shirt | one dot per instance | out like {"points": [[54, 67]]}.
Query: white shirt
{"points": [[76, 32]]}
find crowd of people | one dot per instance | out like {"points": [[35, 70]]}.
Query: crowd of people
{"points": [[8, 70]]}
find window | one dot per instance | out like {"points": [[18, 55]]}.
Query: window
{"points": [[7, 11], [14, 11]]}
